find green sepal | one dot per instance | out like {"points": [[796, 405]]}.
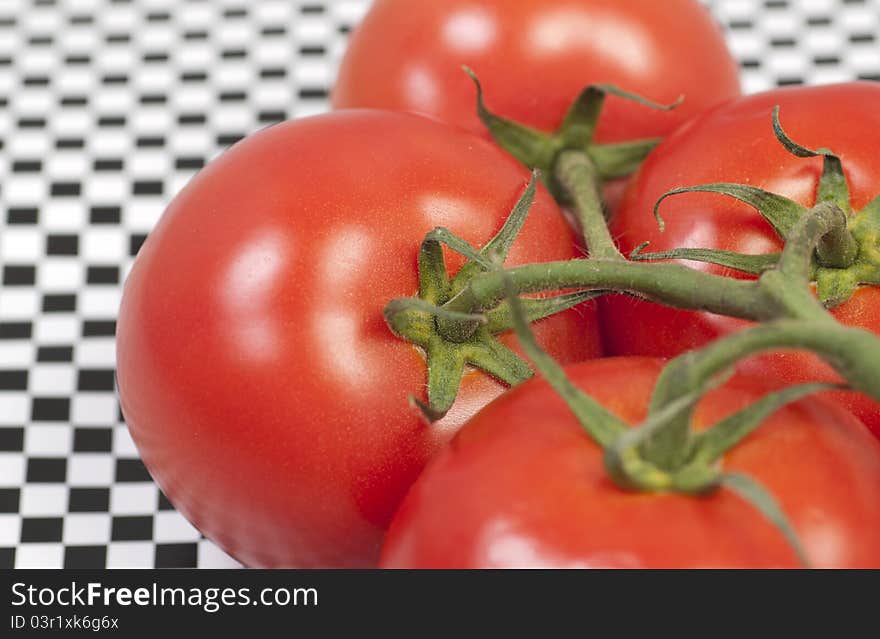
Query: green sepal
{"points": [[696, 480], [496, 250], [758, 497], [441, 235], [625, 458], [433, 279], [669, 446], [833, 186], [406, 313], [866, 229], [872, 212], [490, 257], [579, 125], [446, 364], [612, 160], [610, 89], [500, 318], [619, 160], [404, 316], [531, 147], [430, 415], [445, 368], [416, 321], [781, 212], [599, 423], [451, 339], [540, 150], [753, 264], [710, 445], [835, 286], [496, 359]]}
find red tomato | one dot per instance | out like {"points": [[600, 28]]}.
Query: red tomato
{"points": [[256, 373], [534, 58], [522, 485], [735, 143]]}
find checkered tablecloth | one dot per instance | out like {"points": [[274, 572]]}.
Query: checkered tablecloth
{"points": [[107, 107]]}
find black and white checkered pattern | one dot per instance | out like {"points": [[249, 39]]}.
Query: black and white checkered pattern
{"points": [[107, 107]]}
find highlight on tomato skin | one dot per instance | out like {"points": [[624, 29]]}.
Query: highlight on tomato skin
{"points": [[523, 486], [535, 57], [263, 389], [735, 143]]}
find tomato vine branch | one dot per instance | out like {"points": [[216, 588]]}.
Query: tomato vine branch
{"points": [[577, 174]]}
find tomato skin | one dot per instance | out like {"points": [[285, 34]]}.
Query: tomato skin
{"points": [[523, 486], [534, 58], [735, 143], [265, 392]]}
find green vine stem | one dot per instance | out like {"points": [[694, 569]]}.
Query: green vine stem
{"points": [[672, 284], [853, 352], [779, 293], [577, 174]]}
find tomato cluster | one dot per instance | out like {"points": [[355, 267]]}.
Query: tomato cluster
{"points": [[280, 415]]}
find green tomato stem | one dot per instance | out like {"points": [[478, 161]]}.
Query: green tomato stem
{"points": [[853, 352], [671, 284], [838, 249], [820, 226], [579, 178], [780, 293]]}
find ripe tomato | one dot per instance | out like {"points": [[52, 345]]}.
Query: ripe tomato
{"points": [[735, 143], [256, 373], [522, 485], [534, 58]]}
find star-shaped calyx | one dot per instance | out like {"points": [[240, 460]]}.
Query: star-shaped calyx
{"points": [[540, 150], [451, 340], [843, 261]]}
